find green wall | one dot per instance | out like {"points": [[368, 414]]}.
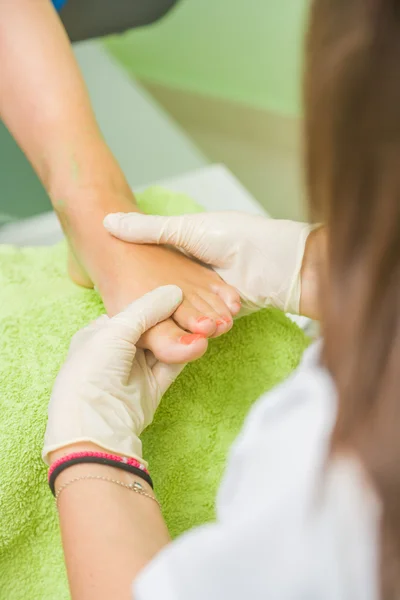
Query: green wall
{"points": [[248, 51]]}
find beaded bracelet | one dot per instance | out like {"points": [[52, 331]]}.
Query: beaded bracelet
{"points": [[131, 465]]}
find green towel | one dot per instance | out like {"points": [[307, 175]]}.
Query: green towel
{"points": [[187, 444]]}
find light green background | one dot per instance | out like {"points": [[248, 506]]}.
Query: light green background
{"points": [[242, 50]]}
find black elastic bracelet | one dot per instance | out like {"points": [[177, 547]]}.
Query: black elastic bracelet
{"points": [[100, 461]]}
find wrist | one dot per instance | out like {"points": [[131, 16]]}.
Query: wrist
{"points": [[69, 449], [97, 469], [72, 448], [89, 457]]}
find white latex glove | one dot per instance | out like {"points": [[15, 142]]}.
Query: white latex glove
{"points": [[108, 390], [260, 257]]}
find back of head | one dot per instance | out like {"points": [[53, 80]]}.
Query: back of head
{"points": [[352, 99]]}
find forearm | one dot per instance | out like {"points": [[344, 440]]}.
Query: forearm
{"points": [[44, 103], [314, 264], [108, 532]]}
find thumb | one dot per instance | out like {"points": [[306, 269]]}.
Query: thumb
{"points": [[83, 335], [200, 235], [150, 229], [146, 312]]}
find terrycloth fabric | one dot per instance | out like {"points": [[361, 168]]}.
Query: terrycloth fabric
{"points": [[186, 446]]}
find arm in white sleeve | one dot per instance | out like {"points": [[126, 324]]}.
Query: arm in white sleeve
{"points": [[283, 532]]}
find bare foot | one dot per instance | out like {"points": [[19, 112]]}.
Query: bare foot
{"points": [[77, 273], [132, 270]]}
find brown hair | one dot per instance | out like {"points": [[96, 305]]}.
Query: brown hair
{"points": [[352, 100]]}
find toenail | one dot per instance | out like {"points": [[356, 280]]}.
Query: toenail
{"points": [[219, 322], [191, 338], [226, 319], [236, 306], [202, 319]]}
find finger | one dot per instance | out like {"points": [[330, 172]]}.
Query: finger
{"points": [[165, 375], [146, 312], [187, 232], [145, 229]]}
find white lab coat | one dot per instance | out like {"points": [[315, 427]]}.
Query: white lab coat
{"points": [[289, 526]]}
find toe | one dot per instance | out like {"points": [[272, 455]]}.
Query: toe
{"points": [[196, 319], [171, 344], [211, 304], [229, 295]]}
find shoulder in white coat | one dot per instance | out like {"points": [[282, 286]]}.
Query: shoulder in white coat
{"points": [[290, 524]]}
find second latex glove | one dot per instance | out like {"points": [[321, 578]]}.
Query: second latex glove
{"points": [[260, 257], [108, 390]]}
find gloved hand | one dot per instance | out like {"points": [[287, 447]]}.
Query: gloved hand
{"points": [[260, 257], [108, 390]]}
